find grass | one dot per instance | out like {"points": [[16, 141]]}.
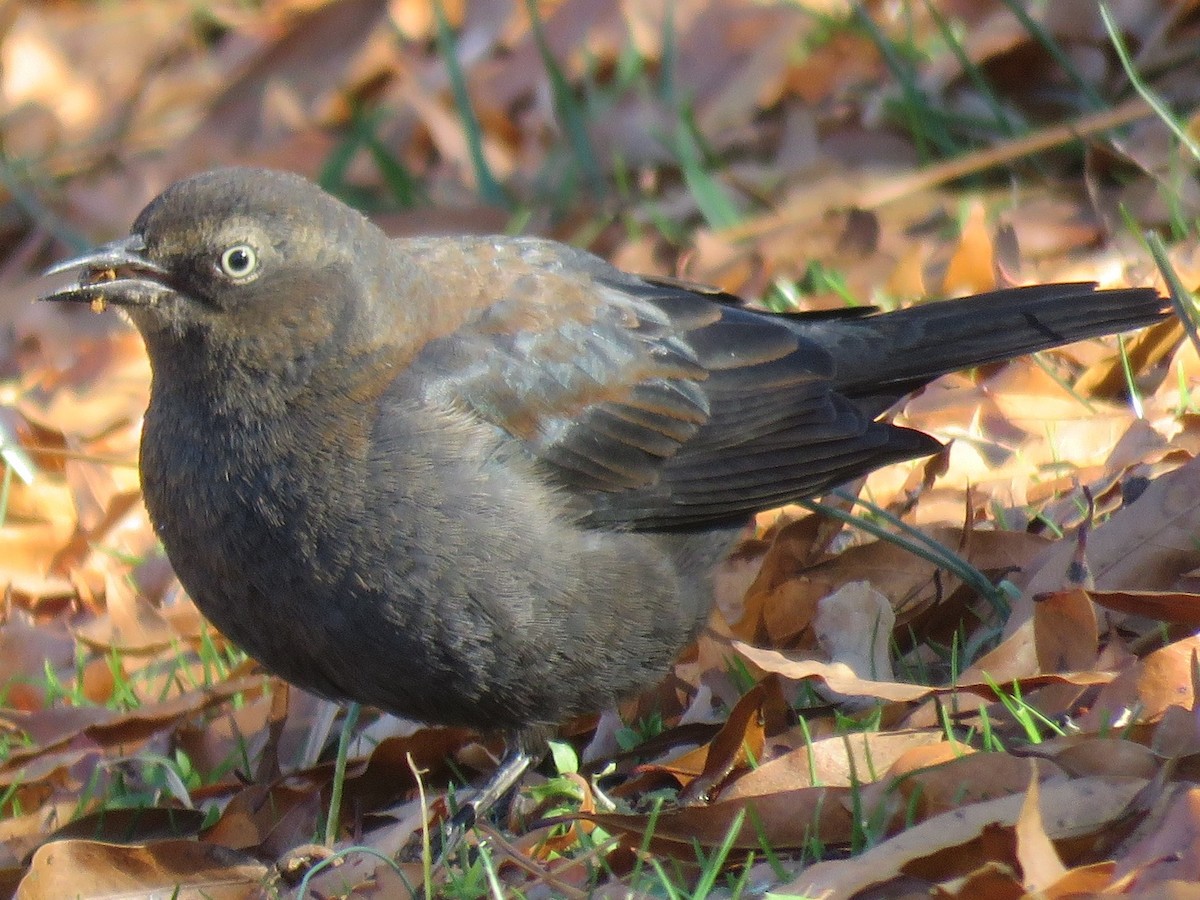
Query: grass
{"points": [[915, 542], [404, 190], [334, 816], [490, 190], [1031, 721], [145, 779]]}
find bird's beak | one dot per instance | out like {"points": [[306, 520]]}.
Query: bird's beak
{"points": [[117, 273]]}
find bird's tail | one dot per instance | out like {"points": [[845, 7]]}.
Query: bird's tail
{"points": [[891, 354]]}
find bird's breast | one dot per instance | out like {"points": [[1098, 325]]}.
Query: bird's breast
{"points": [[248, 507]]}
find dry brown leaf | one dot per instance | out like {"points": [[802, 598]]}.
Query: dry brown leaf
{"points": [[1084, 881], [1175, 607], [1065, 632], [837, 761], [26, 652], [967, 778], [184, 869], [994, 880], [288, 811], [926, 756], [106, 387], [787, 819], [1147, 544], [853, 625], [287, 88], [1040, 863], [1143, 351], [1147, 689], [841, 679], [972, 268], [1082, 755], [907, 281], [946, 845], [131, 624], [755, 71], [740, 742], [132, 826], [98, 681], [54, 727], [838, 676], [1175, 735], [786, 594], [1171, 852], [843, 59], [555, 844]]}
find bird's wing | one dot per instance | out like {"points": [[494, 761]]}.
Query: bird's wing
{"points": [[657, 404]]}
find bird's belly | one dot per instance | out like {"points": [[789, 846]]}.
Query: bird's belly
{"points": [[461, 597]]}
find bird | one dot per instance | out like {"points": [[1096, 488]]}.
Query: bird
{"points": [[485, 481]]}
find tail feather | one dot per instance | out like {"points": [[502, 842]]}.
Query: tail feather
{"points": [[897, 352]]}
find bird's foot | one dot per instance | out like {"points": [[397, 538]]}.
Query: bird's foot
{"points": [[515, 763]]}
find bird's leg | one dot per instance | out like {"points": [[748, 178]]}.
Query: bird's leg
{"points": [[519, 755]]}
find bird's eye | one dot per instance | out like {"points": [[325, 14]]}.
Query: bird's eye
{"points": [[239, 262]]}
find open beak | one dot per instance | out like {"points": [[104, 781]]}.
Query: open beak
{"points": [[116, 273]]}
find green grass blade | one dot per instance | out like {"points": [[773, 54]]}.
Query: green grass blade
{"points": [[489, 188]]}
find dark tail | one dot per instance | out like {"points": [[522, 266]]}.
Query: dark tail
{"points": [[893, 353]]}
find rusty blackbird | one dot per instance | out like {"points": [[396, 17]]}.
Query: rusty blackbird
{"points": [[484, 481]]}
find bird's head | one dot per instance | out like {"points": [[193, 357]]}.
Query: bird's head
{"points": [[238, 261]]}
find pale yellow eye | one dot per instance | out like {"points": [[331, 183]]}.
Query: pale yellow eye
{"points": [[239, 262]]}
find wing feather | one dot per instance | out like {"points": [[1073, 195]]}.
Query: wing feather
{"points": [[665, 405]]}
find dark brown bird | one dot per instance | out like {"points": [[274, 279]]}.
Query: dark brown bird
{"points": [[485, 481]]}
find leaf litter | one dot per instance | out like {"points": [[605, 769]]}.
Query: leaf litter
{"points": [[767, 150]]}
